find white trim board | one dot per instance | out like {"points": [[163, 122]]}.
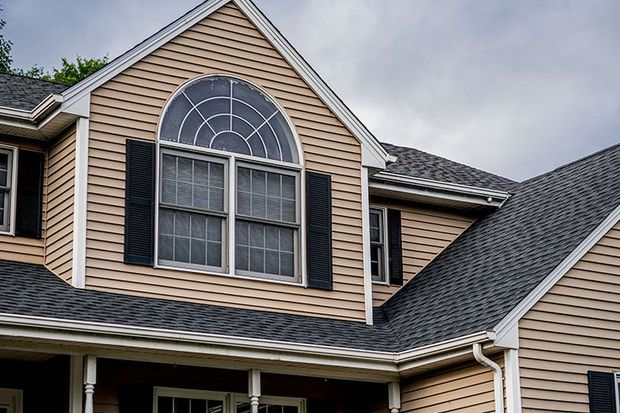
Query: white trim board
{"points": [[510, 322], [373, 154]]}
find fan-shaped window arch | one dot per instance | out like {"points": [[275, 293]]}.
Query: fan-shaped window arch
{"points": [[226, 113], [230, 204]]}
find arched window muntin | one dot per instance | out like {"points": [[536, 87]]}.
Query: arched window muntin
{"points": [[229, 214]]}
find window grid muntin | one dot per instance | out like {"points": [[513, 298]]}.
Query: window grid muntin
{"points": [[378, 247], [205, 212], [277, 122], [295, 226]]}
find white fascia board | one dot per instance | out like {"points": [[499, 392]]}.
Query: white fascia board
{"points": [[511, 321], [442, 186], [373, 154]]}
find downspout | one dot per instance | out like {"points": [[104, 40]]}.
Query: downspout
{"points": [[498, 379]]}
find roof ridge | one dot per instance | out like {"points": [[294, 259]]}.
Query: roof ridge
{"points": [[35, 78], [571, 163]]}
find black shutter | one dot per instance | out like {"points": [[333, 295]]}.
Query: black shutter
{"points": [[319, 230], [29, 194], [135, 398], [139, 202], [395, 247], [602, 392]]}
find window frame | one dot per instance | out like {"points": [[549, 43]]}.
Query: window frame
{"points": [[385, 280], [229, 399], [617, 390], [15, 398], [228, 248], [224, 215], [9, 191]]}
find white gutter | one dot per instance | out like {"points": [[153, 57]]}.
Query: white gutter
{"points": [[498, 379], [32, 115], [57, 330]]}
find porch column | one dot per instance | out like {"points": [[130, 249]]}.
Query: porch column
{"points": [[90, 379], [253, 389], [394, 397]]}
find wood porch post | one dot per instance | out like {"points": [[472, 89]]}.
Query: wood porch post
{"points": [[254, 389], [90, 379], [394, 397]]}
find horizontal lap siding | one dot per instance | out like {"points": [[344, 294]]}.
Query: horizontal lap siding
{"points": [[21, 248], [59, 223], [574, 328], [425, 233], [129, 106], [464, 389]]}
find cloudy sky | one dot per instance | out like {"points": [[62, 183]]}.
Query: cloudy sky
{"points": [[513, 87]]}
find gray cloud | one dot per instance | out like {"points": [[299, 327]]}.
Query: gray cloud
{"points": [[516, 88]]}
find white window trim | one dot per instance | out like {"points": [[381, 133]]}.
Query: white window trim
{"points": [[228, 242], [386, 256], [11, 213], [14, 398], [229, 399]]}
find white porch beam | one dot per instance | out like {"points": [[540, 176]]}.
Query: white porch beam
{"points": [[254, 389], [90, 379], [394, 397]]}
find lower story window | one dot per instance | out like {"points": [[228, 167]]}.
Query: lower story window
{"points": [[170, 400], [10, 401]]}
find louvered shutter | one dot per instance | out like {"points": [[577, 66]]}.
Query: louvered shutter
{"points": [[29, 194], [602, 392], [319, 230], [395, 247], [139, 202]]}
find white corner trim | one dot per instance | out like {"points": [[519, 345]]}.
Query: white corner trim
{"points": [[513, 381], [80, 203], [512, 319], [366, 247], [373, 154], [498, 380]]}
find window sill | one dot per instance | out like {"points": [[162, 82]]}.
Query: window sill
{"points": [[296, 283], [384, 283]]}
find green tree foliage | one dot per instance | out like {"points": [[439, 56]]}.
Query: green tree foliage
{"points": [[5, 50], [70, 72]]}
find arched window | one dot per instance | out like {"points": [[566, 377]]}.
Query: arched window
{"points": [[229, 177]]}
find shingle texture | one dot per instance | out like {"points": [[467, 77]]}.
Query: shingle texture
{"points": [[419, 164], [19, 92], [32, 290], [489, 269]]}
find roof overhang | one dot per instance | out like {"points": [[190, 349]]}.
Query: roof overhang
{"points": [[43, 122], [444, 194], [65, 336]]}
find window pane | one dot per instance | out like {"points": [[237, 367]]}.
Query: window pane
{"points": [[181, 405], [4, 167], [190, 238], [265, 249], [164, 405], [192, 183], [267, 195], [214, 406], [3, 199], [199, 406]]}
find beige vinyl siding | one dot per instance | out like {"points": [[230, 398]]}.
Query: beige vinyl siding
{"points": [[574, 328], [24, 249], [60, 201], [129, 106], [426, 232], [465, 388]]}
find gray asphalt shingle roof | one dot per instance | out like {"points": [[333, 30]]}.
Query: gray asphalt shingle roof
{"points": [[19, 92], [419, 164], [502, 257]]}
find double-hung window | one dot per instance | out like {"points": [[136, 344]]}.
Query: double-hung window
{"points": [[229, 182], [10, 401], [378, 247], [6, 187]]}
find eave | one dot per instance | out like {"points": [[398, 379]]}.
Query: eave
{"points": [[444, 194]]}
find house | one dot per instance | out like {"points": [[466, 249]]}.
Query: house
{"points": [[204, 226]]}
